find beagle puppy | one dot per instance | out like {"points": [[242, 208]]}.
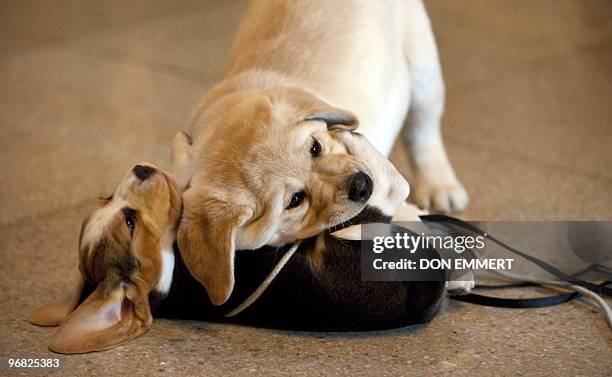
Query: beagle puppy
{"points": [[125, 254], [268, 160], [131, 271]]}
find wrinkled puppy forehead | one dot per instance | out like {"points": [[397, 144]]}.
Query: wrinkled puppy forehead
{"points": [[249, 119], [293, 105], [260, 128], [284, 106]]}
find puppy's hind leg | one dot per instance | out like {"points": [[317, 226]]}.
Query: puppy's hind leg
{"points": [[436, 185]]}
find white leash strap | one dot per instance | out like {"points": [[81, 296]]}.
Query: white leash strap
{"points": [[264, 284]]}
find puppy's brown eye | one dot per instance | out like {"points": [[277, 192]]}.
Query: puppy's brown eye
{"points": [[130, 219], [315, 148], [296, 199]]}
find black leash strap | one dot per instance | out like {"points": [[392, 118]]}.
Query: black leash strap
{"points": [[525, 303], [516, 303], [519, 303]]}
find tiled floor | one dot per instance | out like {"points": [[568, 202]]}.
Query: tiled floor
{"points": [[88, 88]]}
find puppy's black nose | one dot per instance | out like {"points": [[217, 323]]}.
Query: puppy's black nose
{"points": [[143, 172], [360, 187]]}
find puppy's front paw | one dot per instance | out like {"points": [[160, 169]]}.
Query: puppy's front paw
{"points": [[460, 287], [441, 197]]}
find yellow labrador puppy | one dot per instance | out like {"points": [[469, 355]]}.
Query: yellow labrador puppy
{"points": [[268, 163]]}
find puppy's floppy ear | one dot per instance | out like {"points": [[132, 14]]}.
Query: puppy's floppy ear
{"points": [[207, 240], [111, 315], [336, 119], [55, 313]]}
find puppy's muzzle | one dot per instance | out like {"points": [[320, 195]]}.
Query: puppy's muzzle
{"points": [[360, 187], [143, 172]]}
